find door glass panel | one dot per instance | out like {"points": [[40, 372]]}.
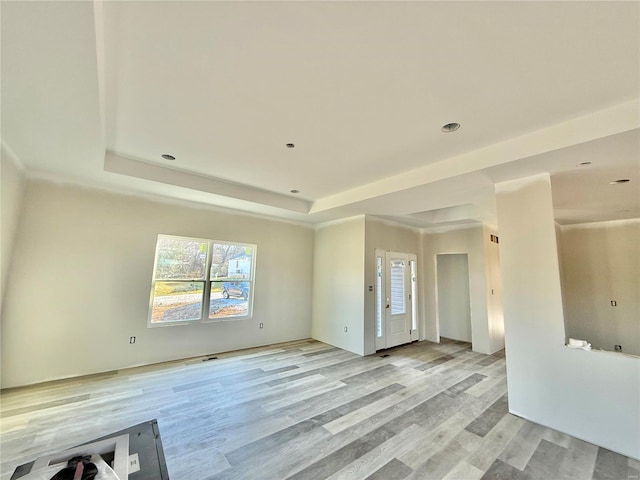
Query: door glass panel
{"points": [[398, 305]]}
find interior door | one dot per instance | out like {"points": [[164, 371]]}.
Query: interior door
{"points": [[398, 305]]}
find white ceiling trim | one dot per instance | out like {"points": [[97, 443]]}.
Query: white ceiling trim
{"points": [[451, 228], [599, 225], [42, 176], [116, 163], [617, 119]]}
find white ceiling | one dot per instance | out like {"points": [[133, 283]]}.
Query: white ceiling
{"points": [[96, 92]]}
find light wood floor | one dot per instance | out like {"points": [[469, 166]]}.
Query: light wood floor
{"points": [[306, 410]]}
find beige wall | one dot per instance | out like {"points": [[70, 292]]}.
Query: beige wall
{"points": [[81, 279], [93, 252], [13, 181], [338, 285], [600, 263], [594, 396]]}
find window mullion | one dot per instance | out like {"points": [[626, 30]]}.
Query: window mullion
{"points": [[206, 301]]}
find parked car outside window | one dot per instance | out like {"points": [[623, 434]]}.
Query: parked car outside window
{"points": [[235, 289]]}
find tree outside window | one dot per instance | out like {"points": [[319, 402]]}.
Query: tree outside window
{"points": [[197, 280]]}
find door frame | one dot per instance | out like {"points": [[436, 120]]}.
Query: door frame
{"points": [[380, 296], [436, 293]]}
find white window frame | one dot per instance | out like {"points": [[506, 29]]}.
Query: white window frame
{"points": [[208, 281]]}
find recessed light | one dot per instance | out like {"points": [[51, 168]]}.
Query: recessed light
{"points": [[166, 156], [618, 182], [290, 145], [450, 127], [585, 163], [294, 191]]}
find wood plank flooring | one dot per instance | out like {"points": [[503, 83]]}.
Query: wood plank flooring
{"points": [[305, 410]]}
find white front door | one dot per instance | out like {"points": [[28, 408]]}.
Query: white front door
{"points": [[395, 299], [398, 306]]}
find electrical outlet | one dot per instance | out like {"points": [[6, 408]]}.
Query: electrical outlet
{"points": [[614, 303], [617, 348], [345, 329], [132, 340], [261, 325]]}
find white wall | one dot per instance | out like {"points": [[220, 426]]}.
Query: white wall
{"points": [[338, 285], [469, 241], [594, 396], [601, 262], [454, 309], [493, 275], [81, 278], [389, 236], [13, 181]]}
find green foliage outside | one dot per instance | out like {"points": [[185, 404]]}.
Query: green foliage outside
{"points": [[187, 259], [177, 258]]}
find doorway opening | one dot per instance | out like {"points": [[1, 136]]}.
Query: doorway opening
{"points": [[453, 301]]}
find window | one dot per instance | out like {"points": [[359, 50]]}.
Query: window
{"points": [[196, 280], [398, 306]]}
